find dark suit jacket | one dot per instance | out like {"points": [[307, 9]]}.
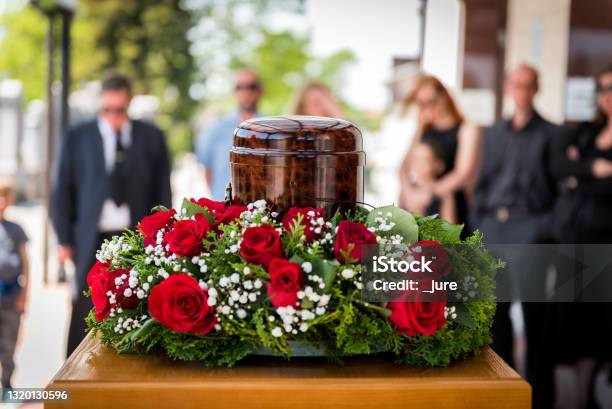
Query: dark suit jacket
{"points": [[82, 185], [538, 186]]}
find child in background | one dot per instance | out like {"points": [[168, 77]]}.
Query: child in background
{"points": [[13, 285], [426, 166]]}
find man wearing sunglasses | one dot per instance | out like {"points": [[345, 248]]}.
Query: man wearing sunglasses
{"points": [[112, 171], [214, 143]]}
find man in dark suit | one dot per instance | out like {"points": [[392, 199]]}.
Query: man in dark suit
{"points": [[514, 201], [112, 171]]}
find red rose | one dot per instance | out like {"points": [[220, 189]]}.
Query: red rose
{"points": [[350, 238], [417, 317], [290, 219], [230, 214], [150, 225], [261, 244], [212, 206], [180, 304], [432, 251], [100, 281], [286, 280], [185, 238]]}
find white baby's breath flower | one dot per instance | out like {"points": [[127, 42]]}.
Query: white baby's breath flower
{"points": [[277, 332]]}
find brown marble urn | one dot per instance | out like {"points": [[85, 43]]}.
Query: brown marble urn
{"points": [[298, 161]]}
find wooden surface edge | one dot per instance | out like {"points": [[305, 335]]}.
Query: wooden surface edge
{"points": [[473, 395], [509, 391]]}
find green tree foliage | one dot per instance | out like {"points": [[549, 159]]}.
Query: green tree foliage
{"points": [[172, 49], [22, 54], [285, 64], [249, 37], [145, 39]]}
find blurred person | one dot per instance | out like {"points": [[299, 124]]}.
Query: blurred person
{"points": [[440, 120], [14, 282], [112, 171], [214, 143], [515, 195], [583, 162], [317, 99], [427, 165]]}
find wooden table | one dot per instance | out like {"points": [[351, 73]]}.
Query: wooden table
{"points": [[96, 377]]}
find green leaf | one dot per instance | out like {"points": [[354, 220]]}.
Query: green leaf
{"points": [[159, 208], [452, 231], [405, 223], [296, 259], [193, 209], [326, 270], [463, 316], [434, 228]]}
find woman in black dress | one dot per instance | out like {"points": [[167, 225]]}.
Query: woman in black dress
{"points": [[441, 122], [583, 163]]}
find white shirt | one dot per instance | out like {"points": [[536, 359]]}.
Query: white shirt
{"points": [[113, 217]]}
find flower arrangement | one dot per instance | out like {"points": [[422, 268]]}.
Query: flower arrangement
{"points": [[216, 283]]}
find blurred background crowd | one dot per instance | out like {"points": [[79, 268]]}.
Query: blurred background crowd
{"points": [[492, 113]]}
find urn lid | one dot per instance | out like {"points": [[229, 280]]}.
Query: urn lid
{"points": [[295, 133]]}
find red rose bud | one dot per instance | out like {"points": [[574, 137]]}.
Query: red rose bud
{"points": [[286, 280], [213, 207], [351, 237], [150, 225], [417, 317], [229, 215], [185, 238], [261, 244], [181, 304], [432, 251], [290, 219], [100, 281]]}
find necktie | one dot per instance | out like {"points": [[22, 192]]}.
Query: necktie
{"points": [[118, 176]]}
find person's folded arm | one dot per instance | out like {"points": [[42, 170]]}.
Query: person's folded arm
{"points": [[466, 162], [561, 165]]}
